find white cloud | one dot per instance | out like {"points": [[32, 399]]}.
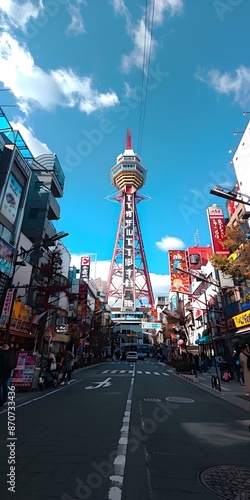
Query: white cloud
{"points": [[144, 45], [141, 36], [162, 6], [160, 283], [170, 243], [235, 83], [100, 269], [18, 14], [33, 87], [36, 147], [77, 23]]}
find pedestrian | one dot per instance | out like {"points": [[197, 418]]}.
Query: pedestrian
{"points": [[196, 361], [209, 362], [66, 363], [244, 359], [123, 356], [7, 363], [237, 364]]}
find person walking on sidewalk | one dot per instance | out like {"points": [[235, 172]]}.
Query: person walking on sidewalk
{"points": [[66, 363], [244, 359]]}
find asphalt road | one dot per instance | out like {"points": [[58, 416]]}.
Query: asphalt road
{"points": [[115, 433]]}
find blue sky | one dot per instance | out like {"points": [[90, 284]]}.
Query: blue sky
{"points": [[75, 71]]}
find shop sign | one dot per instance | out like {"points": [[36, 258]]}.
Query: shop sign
{"points": [[7, 306], [242, 319], [217, 228], [177, 262]]}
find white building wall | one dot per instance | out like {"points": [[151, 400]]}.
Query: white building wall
{"points": [[241, 162]]}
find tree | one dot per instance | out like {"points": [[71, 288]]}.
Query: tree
{"points": [[178, 319], [238, 263]]}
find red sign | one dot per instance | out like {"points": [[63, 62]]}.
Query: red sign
{"points": [[216, 223], [179, 281]]}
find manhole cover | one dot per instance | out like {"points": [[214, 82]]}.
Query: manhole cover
{"points": [[231, 482], [176, 399], [152, 400]]}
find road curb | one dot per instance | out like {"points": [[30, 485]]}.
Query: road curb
{"points": [[190, 378]]}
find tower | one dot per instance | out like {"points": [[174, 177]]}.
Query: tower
{"points": [[129, 281]]}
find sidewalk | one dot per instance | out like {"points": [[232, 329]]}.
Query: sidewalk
{"points": [[232, 391]]}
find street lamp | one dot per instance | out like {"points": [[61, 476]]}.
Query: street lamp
{"points": [[230, 195], [44, 242], [212, 338]]}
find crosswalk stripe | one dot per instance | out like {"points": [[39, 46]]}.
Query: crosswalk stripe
{"points": [[138, 372], [148, 373], [130, 371], [166, 374], [123, 371], [156, 373], [105, 371], [114, 371]]}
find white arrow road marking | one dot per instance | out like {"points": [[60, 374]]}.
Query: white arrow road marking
{"points": [[104, 383]]}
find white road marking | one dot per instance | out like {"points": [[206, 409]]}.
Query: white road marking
{"points": [[115, 490], [43, 396], [148, 373], [105, 371], [166, 374], [138, 372], [114, 371], [104, 383], [156, 373], [123, 371]]}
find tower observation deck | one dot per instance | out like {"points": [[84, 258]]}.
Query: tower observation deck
{"points": [[129, 281]]}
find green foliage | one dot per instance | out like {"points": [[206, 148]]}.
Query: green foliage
{"points": [[238, 263]]}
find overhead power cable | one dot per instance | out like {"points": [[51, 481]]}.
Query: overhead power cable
{"points": [[148, 36]]}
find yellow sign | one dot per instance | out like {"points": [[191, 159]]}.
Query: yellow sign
{"points": [[242, 319]]}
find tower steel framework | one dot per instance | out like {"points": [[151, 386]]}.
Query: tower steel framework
{"points": [[129, 281]]}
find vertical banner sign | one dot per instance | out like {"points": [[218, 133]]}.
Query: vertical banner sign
{"points": [[128, 255], [7, 305], [216, 224], [178, 260], [11, 199], [83, 284]]}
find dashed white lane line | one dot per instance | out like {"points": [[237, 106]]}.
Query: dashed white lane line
{"points": [[115, 490]]}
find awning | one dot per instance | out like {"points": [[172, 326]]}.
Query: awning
{"points": [[204, 340]]}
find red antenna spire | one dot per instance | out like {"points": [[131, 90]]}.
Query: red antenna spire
{"points": [[129, 140]]}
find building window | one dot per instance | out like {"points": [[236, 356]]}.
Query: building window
{"points": [[5, 233]]}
